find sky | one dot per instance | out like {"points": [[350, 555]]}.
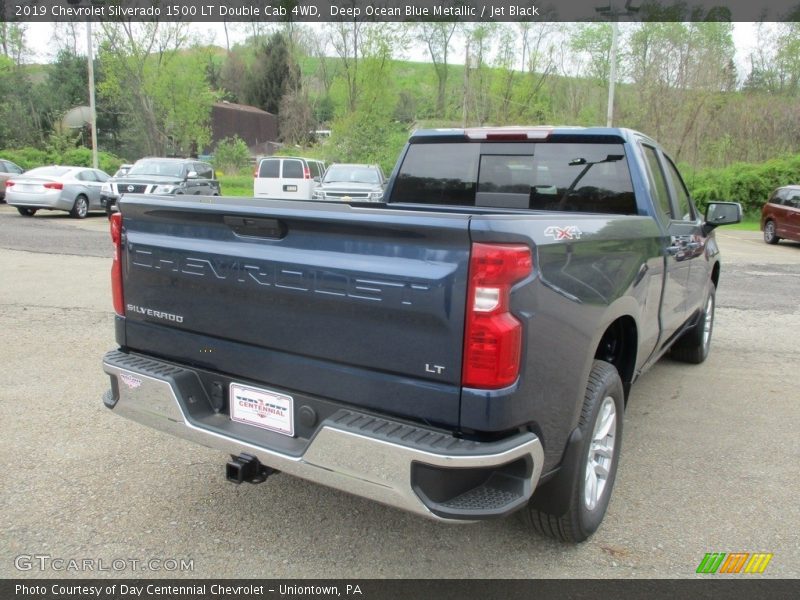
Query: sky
{"points": [[40, 39]]}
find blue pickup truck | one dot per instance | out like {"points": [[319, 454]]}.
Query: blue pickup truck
{"points": [[463, 350]]}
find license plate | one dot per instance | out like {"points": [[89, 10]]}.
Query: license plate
{"points": [[290, 188], [262, 408]]}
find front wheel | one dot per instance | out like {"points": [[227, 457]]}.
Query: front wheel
{"points": [[770, 235], [26, 212], [694, 345], [80, 209], [593, 466]]}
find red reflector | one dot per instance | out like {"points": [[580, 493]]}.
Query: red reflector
{"points": [[116, 265], [54, 186], [493, 336], [509, 133]]}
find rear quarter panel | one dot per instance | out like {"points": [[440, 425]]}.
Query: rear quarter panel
{"points": [[611, 267]]}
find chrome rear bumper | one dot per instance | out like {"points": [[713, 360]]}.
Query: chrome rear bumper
{"points": [[388, 461]]}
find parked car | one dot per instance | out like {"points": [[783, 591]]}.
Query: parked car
{"points": [[349, 182], [73, 189], [780, 217], [163, 176], [287, 177], [122, 171], [7, 170]]}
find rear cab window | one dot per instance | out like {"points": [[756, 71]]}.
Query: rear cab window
{"points": [[546, 176]]}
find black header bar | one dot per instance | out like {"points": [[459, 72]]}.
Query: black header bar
{"points": [[318, 11], [394, 589]]}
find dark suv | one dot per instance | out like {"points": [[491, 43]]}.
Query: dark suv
{"points": [[780, 217], [163, 176]]}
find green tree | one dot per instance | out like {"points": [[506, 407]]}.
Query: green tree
{"points": [[12, 41], [161, 91], [437, 36], [274, 73], [19, 109], [592, 41]]}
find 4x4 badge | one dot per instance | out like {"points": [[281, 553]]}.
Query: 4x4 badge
{"points": [[570, 232]]}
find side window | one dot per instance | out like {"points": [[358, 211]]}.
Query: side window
{"points": [[101, 176], [314, 167], [14, 168], [292, 169], [658, 185], [85, 176], [4, 167], [269, 168], [685, 210], [204, 170], [794, 200]]}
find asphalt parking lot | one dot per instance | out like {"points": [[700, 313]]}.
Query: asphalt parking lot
{"points": [[709, 461]]}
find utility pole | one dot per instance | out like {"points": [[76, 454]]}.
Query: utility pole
{"points": [[612, 76], [92, 107], [612, 12]]}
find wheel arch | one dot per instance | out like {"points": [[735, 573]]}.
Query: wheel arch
{"points": [[618, 345]]}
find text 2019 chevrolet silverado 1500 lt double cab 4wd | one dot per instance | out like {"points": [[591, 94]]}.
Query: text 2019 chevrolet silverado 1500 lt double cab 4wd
{"points": [[462, 352]]}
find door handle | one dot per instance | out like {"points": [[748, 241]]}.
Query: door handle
{"points": [[256, 227]]}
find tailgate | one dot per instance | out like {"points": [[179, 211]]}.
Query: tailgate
{"points": [[360, 305]]}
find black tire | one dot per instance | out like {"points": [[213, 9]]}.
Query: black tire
{"points": [[581, 518], [81, 208], [26, 212], [769, 233], [694, 345]]}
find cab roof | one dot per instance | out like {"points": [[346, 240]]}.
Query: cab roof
{"points": [[532, 133]]}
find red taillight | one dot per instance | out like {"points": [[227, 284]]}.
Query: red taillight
{"points": [[54, 186], [306, 173], [9, 184], [255, 173], [493, 336], [116, 266]]}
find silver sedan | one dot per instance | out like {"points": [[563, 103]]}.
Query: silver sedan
{"points": [[73, 189]]}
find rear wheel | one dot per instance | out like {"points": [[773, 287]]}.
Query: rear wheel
{"points": [[595, 463], [26, 212], [694, 345], [770, 235], [81, 208]]}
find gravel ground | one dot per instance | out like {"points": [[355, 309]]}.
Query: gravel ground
{"points": [[710, 452]]}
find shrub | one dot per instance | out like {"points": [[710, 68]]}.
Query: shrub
{"points": [[29, 158], [747, 183], [232, 156]]}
